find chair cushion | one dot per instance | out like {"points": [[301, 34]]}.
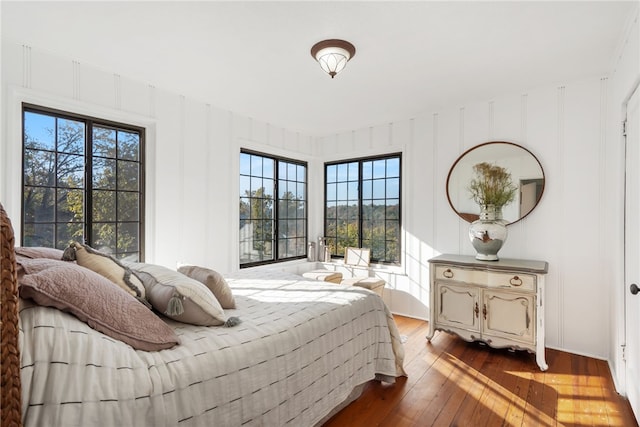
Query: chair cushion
{"points": [[371, 283], [323, 276]]}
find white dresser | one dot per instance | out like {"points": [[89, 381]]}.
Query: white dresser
{"points": [[497, 302]]}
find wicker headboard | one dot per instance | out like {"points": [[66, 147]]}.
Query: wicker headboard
{"points": [[10, 401]]}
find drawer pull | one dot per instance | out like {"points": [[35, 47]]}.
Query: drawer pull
{"points": [[515, 281], [448, 273]]}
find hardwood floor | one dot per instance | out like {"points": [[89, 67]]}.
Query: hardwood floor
{"points": [[454, 383]]}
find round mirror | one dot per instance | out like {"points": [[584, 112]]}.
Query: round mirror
{"points": [[526, 173]]}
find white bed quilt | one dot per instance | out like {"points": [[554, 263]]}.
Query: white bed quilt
{"points": [[301, 348]]}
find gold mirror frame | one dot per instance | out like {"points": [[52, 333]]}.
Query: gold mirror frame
{"points": [[525, 169]]}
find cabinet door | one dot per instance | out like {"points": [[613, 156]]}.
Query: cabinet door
{"points": [[509, 315], [457, 305]]}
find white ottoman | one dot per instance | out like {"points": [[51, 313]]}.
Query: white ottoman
{"points": [[324, 276], [371, 283]]}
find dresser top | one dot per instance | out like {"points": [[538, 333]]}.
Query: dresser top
{"points": [[538, 267]]}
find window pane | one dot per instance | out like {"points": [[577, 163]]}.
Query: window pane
{"points": [[104, 237], [331, 210], [301, 228], [128, 206], [342, 191], [331, 228], [291, 171], [268, 186], [331, 173], [70, 206], [70, 136], [343, 173], [379, 169], [38, 235], [104, 173], [367, 189], [367, 211], [367, 231], [70, 171], [39, 131], [393, 209], [39, 167], [392, 229], [282, 248], [128, 145], [367, 170], [245, 186], [268, 168], [393, 167], [104, 142], [39, 204], [332, 191], [301, 174], [283, 230], [256, 187], [378, 188], [353, 190], [68, 232], [245, 164], [104, 206], [127, 240], [393, 188], [256, 165], [127, 175], [353, 171]]}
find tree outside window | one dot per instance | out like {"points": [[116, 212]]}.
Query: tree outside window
{"points": [[82, 181], [362, 206], [273, 220]]}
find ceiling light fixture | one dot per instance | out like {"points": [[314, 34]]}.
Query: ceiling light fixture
{"points": [[332, 55]]}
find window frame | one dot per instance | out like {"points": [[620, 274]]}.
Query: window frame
{"points": [[360, 161], [89, 122], [276, 208]]}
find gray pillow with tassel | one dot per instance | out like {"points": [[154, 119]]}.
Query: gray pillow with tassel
{"points": [[180, 297]]}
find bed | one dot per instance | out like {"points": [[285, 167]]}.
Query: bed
{"points": [[302, 350]]}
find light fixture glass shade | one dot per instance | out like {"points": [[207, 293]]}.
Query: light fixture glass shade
{"points": [[333, 55]]}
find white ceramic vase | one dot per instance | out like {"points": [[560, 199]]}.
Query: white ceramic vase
{"points": [[488, 233]]}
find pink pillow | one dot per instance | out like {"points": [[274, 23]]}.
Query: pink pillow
{"points": [[96, 301], [39, 252]]}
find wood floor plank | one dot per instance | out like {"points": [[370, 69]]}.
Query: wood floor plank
{"points": [[454, 383]]}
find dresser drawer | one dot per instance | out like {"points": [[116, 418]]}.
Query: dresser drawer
{"points": [[525, 282]]}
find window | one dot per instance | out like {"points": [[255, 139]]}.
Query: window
{"points": [[83, 181], [271, 232], [362, 206]]}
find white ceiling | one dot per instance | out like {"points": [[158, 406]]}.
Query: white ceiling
{"points": [[253, 57]]}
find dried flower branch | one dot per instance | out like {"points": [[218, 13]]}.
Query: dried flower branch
{"points": [[492, 185]]}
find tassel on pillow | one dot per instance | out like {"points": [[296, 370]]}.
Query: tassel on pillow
{"points": [[232, 321], [69, 253], [174, 307]]}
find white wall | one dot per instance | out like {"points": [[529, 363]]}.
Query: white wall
{"points": [[192, 150]]}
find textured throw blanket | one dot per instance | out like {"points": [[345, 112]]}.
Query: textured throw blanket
{"points": [[300, 350]]}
